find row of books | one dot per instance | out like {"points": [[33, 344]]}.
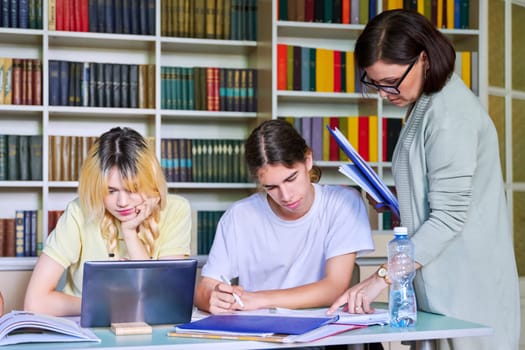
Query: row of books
{"points": [[316, 69], [101, 84], [361, 131], [207, 221], [28, 232], [467, 67], [327, 11], [25, 14], [450, 14], [208, 88], [20, 157], [20, 81], [67, 153], [203, 160], [103, 16], [210, 19]]}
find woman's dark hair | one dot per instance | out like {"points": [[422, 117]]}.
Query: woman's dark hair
{"points": [[276, 142], [398, 37]]}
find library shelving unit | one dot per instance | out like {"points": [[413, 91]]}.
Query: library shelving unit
{"points": [[341, 37], [159, 123], [154, 122]]}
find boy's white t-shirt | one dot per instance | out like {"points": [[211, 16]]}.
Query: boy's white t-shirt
{"points": [[267, 252]]}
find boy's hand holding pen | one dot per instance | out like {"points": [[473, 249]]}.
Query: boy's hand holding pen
{"points": [[235, 296]]}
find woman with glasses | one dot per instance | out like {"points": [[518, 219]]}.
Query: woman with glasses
{"points": [[448, 179]]}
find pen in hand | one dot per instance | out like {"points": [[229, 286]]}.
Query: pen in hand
{"points": [[235, 296]]}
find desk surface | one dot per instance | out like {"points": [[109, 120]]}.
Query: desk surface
{"points": [[429, 326]]}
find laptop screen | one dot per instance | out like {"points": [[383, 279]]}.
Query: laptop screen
{"points": [[151, 291]]}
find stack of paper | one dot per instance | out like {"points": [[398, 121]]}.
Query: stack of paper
{"points": [[363, 175]]}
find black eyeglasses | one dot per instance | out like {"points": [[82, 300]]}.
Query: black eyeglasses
{"points": [[389, 89]]}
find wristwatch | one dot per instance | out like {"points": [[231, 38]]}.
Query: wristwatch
{"points": [[383, 273]]}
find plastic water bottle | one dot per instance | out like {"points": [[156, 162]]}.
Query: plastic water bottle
{"points": [[401, 271]]}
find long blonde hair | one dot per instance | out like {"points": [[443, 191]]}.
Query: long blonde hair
{"points": [[128, 152]]}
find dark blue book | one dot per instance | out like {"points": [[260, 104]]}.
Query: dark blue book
{"points": [[6, 13], [54, 83], [92, 85], [101, 16], [126, 16], [133, 85], [143, 17], [13, 7], [108, 85], [109, 16], [124, 85], [23, 14], [64, 83], [101, 101], [151, 17], [116, 85], [134, 17], [93, 15], [118, 17]]}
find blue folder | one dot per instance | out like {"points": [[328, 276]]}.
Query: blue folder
{"points": [[364, 175], [255, 324]]}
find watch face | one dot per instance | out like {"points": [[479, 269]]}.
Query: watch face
{"points": [[382, 272]]}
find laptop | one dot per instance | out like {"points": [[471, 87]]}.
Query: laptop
{"points": [[151, 291]]}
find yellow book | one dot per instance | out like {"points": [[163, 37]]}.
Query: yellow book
{"points": [[51, 15], [353, 131], [421, 7], [373, 138], [450, 14], [439, 20], [8, 81], [324, 70], [326, 139], [350, 72], [465, 68]]}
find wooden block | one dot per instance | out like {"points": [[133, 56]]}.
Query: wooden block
{"points": [[127, 328]]}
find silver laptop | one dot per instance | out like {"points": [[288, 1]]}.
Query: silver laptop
{"points": [[151, 291]]}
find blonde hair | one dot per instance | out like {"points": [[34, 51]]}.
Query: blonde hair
{"points": [[128, 152]]}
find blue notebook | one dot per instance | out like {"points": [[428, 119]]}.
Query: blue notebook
{"points": [[255, 324]]}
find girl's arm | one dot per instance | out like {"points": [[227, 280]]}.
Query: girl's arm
{"points": [[42, 296]]}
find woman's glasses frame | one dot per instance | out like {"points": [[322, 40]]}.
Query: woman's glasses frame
{"points": [[389, 89]]}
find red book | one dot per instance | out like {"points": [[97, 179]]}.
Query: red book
{"points": [[76, 21], [384, 131], [17, 79], [215, 88], [334, 148], [309, 10], [59, 11], [68, 15], [282, 60], [84, 15], [337, 71], [37, 82], [346, 8], [363, 138]]}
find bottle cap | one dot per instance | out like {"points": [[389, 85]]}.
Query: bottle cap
{"points": [[400, 231]]}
